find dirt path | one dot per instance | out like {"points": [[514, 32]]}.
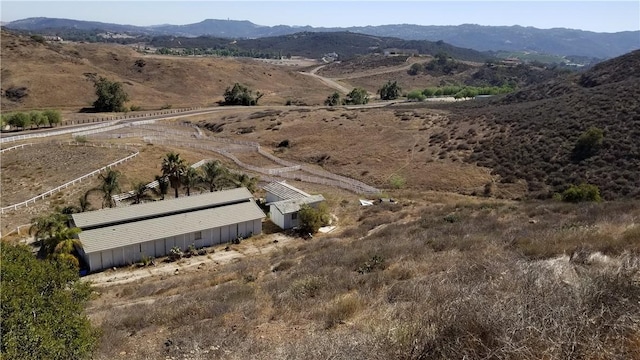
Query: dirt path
{"points": [[327, 81], [250, 247]]}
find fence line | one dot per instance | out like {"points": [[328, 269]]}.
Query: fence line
{"points": [[15, 147], [152, 185], [53, 133], [323, 177], [66, 185], [113, 120]]}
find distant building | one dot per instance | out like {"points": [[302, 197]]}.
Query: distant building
{"points": [[284, 203], [396, 52], [123, 236], [52, 38]]}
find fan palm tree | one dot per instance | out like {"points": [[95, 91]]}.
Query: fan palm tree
{"points": [[62, 239], [140, 192], [244, 180], [163, 186], [66, 250], [46, 226], [110, 186], [190, 179], [214, 174], [174, 168]]}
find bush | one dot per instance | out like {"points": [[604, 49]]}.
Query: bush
{"points": [[581, 193], [175, 254], [333, 99], [357, 96], [241, 95], [311, 219], [588, 144], [416, 95]]}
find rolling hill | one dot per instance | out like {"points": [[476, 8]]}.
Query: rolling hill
{"points": [[557, 41], [531, 135]]}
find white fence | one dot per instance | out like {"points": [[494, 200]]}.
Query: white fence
{"points": [[323, 177], [53, 133], [66, 185], [15, 147]]}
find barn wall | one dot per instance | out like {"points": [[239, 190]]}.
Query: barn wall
{"points": [[276, 216], [132, 254]]}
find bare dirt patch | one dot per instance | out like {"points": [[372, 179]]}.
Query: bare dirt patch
{"points": [[36, 169]]}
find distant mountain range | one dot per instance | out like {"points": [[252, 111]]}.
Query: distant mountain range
{"points": [[557, 41]]}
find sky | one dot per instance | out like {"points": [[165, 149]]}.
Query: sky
{"points": [[599, 16]]}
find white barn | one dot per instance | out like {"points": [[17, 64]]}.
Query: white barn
{"points": [[284, 202], [123, 236]]}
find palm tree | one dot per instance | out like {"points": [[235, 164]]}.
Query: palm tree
{"points": [[66, 250], [110, 186], [163, 186], [46, 226], [244, 180], [174, 168], [214, 174], [140, 192], [190, 179]]}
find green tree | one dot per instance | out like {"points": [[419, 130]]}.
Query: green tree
{"points": [[42, 308], [111, 96], [357, 96], [241, 95], [53, 117], [588, 144], [390, 91], [416, 95], [214, 175], [310, 219], [174, 168], [333, 99], [20, 120], [37, 118]]}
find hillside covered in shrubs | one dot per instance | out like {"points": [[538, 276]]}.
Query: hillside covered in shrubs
{"points": [[535, 134]]}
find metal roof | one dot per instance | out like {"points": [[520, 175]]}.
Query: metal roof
{"points": [[105, 217], [293, 205], [116, 236], [285, 191]]}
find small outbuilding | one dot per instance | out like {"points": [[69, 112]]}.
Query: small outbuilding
{"points": [[284, 203], [123, 236]]}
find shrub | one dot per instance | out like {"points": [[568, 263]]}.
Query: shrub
{"points": [[333, 99], [397, 181], [375, 263], [416, 95], [311, 219], [588, 144], [175, 254], [581, 193], [135, 108]]}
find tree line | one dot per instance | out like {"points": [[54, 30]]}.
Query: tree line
{"points": [[29, 119]]}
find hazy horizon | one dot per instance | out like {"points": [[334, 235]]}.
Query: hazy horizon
{"points": [[597, 16]]}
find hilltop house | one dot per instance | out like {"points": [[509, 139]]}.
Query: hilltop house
{"points": [[123, 236], [284, 203]]}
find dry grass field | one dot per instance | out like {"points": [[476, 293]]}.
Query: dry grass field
{"points": [[457, 269]]}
